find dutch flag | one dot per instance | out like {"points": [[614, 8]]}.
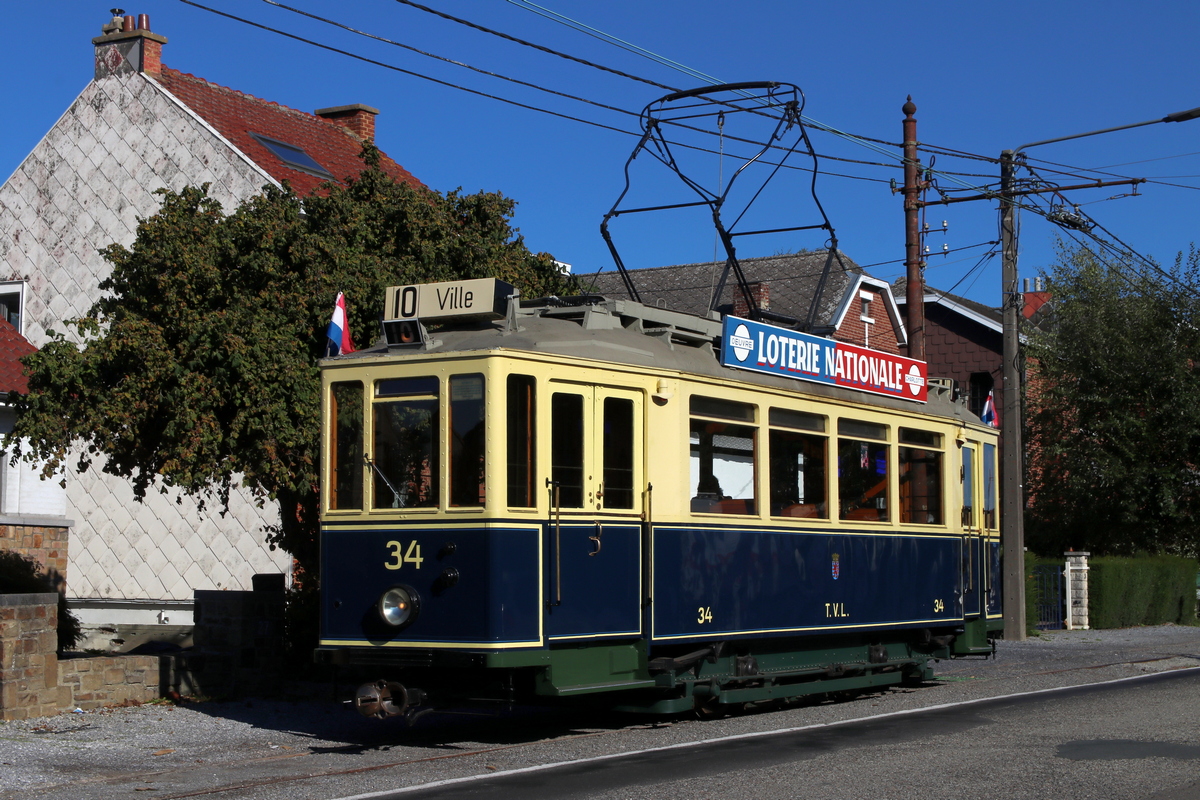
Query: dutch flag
{"points": [[989, 411], [339, 330]]}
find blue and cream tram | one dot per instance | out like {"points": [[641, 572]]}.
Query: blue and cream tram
{"points": [[580, 498]]}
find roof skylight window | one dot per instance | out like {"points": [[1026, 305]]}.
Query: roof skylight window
{"points": [[293, 156]]}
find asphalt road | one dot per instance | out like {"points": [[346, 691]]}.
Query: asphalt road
{"points": [[316, 749]]}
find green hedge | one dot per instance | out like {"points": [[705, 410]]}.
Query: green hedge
{"points": [[1144, 590]]}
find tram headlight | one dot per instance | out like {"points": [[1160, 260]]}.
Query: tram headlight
{"points": [[399, 606]]}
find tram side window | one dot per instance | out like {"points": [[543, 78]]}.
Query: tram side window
{"points": [[346, 445], [722, 457], [798, 476], [405, 461], [522, 445], [862, 471], [566, 448], [618, 452], [920, 476], [467, 485], [989, 487]]}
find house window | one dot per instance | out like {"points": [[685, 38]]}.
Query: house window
{"points": [[293, 156], [12, 303], [865, 299], [981, 384]]}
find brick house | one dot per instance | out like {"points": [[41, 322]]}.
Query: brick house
{"points": [[857, 307], [963, 342], [136, 127]]}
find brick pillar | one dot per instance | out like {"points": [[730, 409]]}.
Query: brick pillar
{"points": [[28, 655], [1077, 590]]}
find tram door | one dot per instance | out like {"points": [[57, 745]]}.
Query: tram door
{"points": [[592, 540], [972, 542]]}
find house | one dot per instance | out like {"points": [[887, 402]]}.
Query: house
{"points": [[856, 307], [33, 512], [963, 342], [139, 126]]}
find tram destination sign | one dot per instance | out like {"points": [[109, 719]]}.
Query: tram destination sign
{"points": [[481, 297], [746, 344]]}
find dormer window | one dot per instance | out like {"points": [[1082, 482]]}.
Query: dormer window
{"points": [[293, 156]]}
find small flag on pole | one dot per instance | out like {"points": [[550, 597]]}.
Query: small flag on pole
{"points": [[339, 330], [989, 411]]}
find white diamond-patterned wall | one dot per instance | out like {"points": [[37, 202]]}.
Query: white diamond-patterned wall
{"points": [[81, 189]]}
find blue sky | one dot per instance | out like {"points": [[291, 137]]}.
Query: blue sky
{"points": [[984, 76]]}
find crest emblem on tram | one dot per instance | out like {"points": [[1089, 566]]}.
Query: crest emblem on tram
{"points": [[835, 567]]}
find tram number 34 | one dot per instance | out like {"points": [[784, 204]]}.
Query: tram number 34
{"points": [[400, 556], [938, 606], [704, 614]]}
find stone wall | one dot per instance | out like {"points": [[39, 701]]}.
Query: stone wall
{"points": [[28, 664], [99, 681], [34, 682], [45, 544]]}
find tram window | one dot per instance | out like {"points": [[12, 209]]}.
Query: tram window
{"points": [[920, 481], [522, 446], [566, 448], [798, 485], [466, 440], [862, 478], [989, 486], [618, 453], [786, 418], [405, 460], [968, 487], [346, 445], [862, 430], [726, 409], [920, 437], [401, 387], [722, 467]]}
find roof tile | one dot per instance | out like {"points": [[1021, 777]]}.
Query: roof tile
{"points": [[235, 115]]}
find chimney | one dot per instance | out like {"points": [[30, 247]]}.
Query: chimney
{"points": [[359, 119], [127, 46], [761, 292]]}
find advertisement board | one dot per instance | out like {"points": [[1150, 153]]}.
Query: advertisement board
{"points": [[759, 347]]}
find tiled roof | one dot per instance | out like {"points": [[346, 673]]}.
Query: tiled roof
{"points": [[12, 347], [235, 115], [995, 315], [792, 280]]}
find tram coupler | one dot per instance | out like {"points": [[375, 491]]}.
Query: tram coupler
{"points": [[383, 699]]}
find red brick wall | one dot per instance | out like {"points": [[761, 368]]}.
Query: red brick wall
{"points": [[880, 335]]}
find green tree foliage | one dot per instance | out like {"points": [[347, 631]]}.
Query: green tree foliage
{"points": [[1113, 400], [198, 367]]}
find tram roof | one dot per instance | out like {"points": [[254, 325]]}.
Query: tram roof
{"points": [[618, 331]]}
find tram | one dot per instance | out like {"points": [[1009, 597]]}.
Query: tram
{"points": [[593, 500]]}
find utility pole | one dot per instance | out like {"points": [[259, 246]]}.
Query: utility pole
{"points": [[1012, 473], [1012, 451], [915, 280]]}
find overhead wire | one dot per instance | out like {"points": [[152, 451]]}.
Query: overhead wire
{"points": [[401, 70]]}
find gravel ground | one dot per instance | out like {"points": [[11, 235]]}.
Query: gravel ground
{"points": [[318, 748]]}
